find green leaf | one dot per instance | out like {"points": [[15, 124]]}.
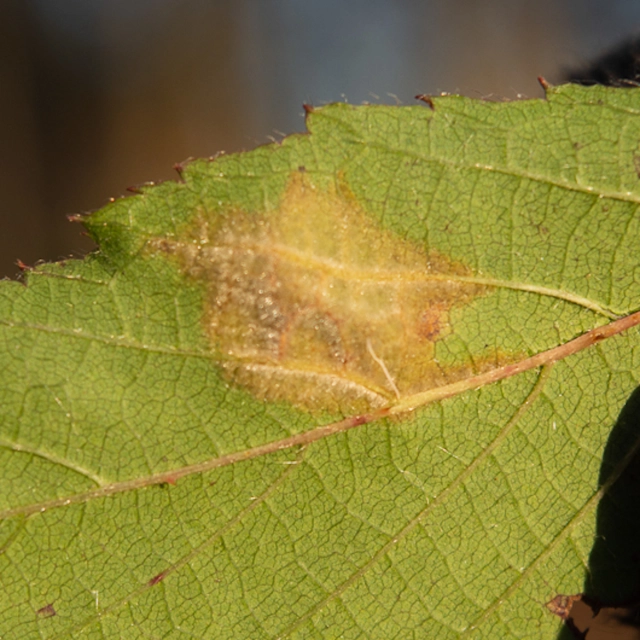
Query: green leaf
{"points": [[358, 384]]}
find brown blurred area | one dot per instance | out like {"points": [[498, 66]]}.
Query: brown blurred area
{"points": [[99, 95]]}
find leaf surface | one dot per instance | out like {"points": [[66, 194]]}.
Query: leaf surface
{"points": [[230, 421]]}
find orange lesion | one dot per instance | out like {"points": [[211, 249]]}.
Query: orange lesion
{"points": [[315, 304], [432, 321]]}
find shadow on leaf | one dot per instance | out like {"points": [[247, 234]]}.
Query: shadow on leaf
{"points": [[610, 604]]}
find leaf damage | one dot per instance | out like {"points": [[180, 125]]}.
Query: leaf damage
{"points": [[315, 304]]}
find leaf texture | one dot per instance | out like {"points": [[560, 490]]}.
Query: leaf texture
{"points": [[165, 474]]}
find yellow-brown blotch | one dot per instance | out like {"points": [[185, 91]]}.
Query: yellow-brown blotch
{"points": [[316, 304]]}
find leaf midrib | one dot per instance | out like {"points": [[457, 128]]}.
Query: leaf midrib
{"points": [[402, 406]]}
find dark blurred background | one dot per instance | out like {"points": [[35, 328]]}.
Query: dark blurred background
{"points": [[99, 95]]}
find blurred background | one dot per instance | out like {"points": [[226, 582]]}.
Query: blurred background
{"points": [[99, 95]]}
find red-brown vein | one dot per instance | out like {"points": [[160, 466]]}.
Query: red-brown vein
{"points": [[403, 405]]}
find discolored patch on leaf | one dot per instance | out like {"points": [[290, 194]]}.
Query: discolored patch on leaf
{"points": [[561, 605], [316, 304], [47, 611]]}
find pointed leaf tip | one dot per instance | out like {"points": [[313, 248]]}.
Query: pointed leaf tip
{"points": [[428, 100], [544, 84]]}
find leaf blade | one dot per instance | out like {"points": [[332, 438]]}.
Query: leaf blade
{"points": [[438, 522]]}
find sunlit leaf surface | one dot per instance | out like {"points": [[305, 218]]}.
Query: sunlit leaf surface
{"points": [[230, 422]]}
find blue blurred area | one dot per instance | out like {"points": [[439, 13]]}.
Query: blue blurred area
{"points": [[98, 95]]}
